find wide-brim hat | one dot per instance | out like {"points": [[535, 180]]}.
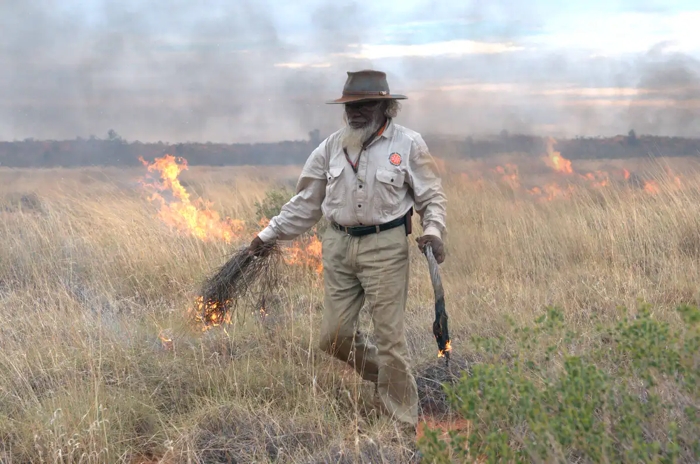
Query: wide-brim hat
{"points": [[366, 85]]}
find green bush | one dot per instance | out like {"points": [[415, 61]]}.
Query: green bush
{"points": [[626, 393], [272, 204]]}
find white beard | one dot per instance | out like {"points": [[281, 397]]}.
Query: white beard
{"points": [[352, 138]]}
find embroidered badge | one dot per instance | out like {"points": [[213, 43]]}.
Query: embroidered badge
{"points": [[395, 159]]}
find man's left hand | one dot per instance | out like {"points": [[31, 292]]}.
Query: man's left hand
{"points": [[435, 243]]}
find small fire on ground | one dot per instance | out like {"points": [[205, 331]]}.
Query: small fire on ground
{"points": [[563, 185], [197, 218]]}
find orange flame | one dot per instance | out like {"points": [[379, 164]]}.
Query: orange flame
{"points": [[306, 254], [676, 179], [626, 174], [196, 218], [554, 159], [166, 339], [448, 347], [598, 179], [551, 191], [651, 186], [211, 314], [509, 175]]}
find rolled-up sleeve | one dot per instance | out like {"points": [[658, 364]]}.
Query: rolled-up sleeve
{"points": [[428, 194], [303, 210]]}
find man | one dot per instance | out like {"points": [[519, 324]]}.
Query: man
{"points": [[366, 178]]}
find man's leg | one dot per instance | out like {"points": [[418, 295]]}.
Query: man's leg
{"points": [[383, 263], [343, 299]]}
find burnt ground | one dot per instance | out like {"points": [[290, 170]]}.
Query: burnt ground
{"points": [[431, 377]]}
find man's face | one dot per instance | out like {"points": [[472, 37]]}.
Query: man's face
{"points": [[361, 114]]}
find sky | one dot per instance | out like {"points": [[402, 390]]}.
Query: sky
{"points": [[262, 70]]}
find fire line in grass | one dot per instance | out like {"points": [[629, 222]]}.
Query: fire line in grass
{"points": [[195, 217]]}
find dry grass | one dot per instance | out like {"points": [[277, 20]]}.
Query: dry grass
{"points": [[89, 278]]}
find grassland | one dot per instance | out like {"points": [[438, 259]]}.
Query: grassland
{"points": [[91, 281]]}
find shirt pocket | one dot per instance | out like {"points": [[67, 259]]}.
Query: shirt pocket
{"points": [[335, 189], [389, 187]]}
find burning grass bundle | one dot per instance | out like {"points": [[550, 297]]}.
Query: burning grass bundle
{"points": [[440, 330], [243, 274]]}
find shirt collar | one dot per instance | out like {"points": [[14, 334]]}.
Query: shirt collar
{"points": [[389, 129]]}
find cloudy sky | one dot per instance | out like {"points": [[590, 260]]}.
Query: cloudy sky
{"points": [[246, 71]]}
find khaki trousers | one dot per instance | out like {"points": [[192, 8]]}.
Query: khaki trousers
{"points": [[372, 268]]}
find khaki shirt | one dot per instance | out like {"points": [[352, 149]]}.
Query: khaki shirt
{"points": [[395, 172]]}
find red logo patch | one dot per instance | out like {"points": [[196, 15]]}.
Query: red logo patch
{"points": [[395, 159]]}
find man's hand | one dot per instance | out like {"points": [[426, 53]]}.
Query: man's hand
{"points": [[256, 246], [435, 244]]}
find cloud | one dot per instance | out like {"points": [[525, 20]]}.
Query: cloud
{"points": [[433, 49], [297, 65]]}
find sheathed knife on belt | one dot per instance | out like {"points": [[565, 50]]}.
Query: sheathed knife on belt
{"points": [[442, 335]]}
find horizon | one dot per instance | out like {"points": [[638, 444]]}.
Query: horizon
{"points": [[452, 137]]}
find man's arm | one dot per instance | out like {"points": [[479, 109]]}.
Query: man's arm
{"points": [[303, 211], [428, 195]]}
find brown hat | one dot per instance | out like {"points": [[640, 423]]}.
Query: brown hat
{"points": [[366, 85]]}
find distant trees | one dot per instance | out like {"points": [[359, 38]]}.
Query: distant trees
{"points": [[114, 150], [315, 137]]}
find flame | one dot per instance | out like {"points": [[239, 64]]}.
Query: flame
{"points": [[306, 254], [598, 179], [651, 186], [551, 191], [211, 314], [555, 161], [448, 347], [626, 174], [196, 218], [166, 339], [509, 175], [676, 179]]}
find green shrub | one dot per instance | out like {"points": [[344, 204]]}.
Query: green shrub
{"points": [[626, 393], [272, 204]]}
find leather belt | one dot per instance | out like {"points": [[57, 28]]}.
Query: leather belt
{"points": [[359, 231]]}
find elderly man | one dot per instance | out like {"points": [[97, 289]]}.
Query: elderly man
{"points": [[366, 179]]}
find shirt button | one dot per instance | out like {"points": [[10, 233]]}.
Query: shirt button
{"points": [[360, 185], [359, 206]]}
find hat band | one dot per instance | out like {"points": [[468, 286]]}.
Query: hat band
{"points": [[366, 92]]}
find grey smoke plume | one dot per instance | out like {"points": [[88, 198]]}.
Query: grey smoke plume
{"points": [[223, 72]]}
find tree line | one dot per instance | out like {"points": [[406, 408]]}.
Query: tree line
{"points": [[113, 150]]}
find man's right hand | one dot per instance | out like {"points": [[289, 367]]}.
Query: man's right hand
{"points": [[256, 246]]}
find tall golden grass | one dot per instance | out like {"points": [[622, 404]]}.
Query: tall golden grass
{"points": [[91, 282]]}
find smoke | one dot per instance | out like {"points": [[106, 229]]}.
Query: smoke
{"points": [[255, 70]]}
